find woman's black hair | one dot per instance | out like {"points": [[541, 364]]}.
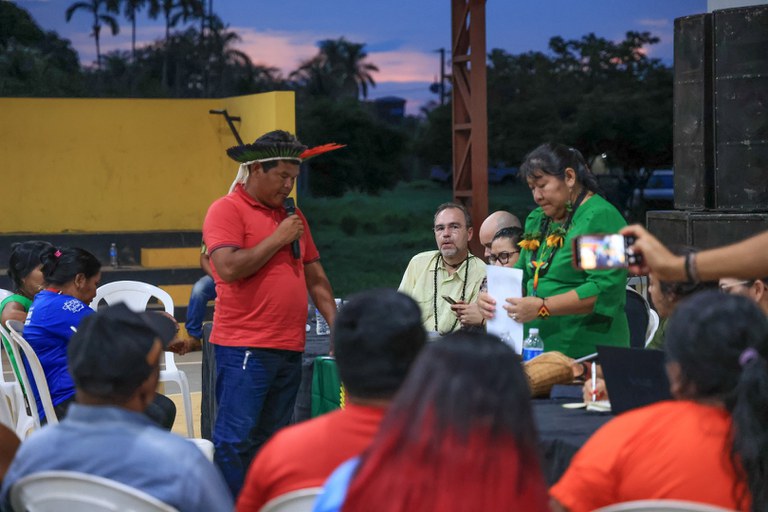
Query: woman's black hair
{"points": [[60, 266], [721, 344], [553, 159], [514, 233], [25, 257]]}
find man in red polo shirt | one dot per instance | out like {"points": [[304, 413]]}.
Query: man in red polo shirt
{"points": [[262, 280]]}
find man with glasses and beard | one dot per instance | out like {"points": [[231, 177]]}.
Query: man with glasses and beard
{"points": [[450, 275]]}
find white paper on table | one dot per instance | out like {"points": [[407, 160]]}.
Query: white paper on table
{"points": [[505, 283]]}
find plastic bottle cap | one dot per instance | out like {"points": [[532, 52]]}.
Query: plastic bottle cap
{"points": [[533, 331]]}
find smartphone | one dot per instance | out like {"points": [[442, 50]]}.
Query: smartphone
{"points": [[592, 252], [449, 300]]}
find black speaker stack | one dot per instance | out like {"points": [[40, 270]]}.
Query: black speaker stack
{"points": [[720, 129]]}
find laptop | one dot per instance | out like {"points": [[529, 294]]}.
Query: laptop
{"points": [[634, 376]]}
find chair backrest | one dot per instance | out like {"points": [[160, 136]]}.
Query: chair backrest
{"points": [[302, 500], [638, 314], [50, 491], [136, 295], [19, 345], [662, 506]]}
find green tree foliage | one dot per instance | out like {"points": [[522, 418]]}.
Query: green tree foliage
{"points": [[597, 95], [432, 141], [371, 162], [339, 70], [594, 94], [34, 62]]}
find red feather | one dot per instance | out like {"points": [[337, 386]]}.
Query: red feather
{"points": [[319, 150]]}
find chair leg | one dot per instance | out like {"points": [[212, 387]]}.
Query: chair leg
{"points": [[184, 385]]}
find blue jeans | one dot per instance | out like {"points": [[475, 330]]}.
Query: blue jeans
{"points": [[203, 291], [255, 391]]}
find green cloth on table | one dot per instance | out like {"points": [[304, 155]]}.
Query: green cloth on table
{"points": [[577, 335], [25, 303], [327, 392]]}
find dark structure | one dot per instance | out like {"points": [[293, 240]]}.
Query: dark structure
{"points": [[721, 129]]}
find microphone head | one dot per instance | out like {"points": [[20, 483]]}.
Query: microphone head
{"points": [[289, 204]]}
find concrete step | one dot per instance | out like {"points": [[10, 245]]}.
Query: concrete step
{"points": [[176, 257]]}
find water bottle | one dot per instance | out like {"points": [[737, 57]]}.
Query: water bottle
{"points": [[113, 255], [322, 329], [533, 345]]}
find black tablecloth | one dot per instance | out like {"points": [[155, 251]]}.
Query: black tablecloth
{"points": [[315, 346], [562, 432]]}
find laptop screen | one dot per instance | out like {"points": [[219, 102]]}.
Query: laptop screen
{"points": [[634, 377]]}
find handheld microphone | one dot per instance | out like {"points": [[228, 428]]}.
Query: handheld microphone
{"points": [[290, 209]]}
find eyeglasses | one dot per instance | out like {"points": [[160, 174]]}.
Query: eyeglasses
{"points": [[502, 257], [724, 287], [453, 226]]}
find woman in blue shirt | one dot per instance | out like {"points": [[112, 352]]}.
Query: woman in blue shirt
{"points": [[71, 276]]}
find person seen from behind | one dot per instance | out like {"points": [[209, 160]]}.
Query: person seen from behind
{"points": [[710, 443], [458, 436]]}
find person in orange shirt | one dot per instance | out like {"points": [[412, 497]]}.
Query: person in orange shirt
{"points": [[376, 337], [710, 444]]}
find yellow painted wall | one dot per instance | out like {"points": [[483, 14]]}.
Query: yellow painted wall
{"points": [[92, 165]]}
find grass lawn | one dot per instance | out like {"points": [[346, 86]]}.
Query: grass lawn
{"points": [[367, 241]]}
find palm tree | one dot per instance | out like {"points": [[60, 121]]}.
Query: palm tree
{"points": [[174, 11], [130, 8], [95, 7], [339, 69]]}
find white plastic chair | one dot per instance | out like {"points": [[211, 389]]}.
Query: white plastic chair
{"points": [[53, 491], [653, 325], [15, 329], [13, 398], [662, 506], [136, 295], [301, 500]]}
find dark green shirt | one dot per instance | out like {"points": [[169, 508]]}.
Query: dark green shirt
{"points": [[577, 335]]}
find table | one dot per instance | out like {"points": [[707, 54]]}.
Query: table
{"points": [[562, 432], [316, 345]]}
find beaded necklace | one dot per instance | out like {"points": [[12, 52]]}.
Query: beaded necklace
{"points": [[554, 241], [463, 291]]}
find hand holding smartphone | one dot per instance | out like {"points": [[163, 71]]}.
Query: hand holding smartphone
{"points": [[598, 251]]}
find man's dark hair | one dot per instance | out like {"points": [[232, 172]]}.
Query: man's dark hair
{"points": [[448, 206], [376, 337]]}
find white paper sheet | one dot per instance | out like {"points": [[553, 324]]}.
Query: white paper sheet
{"points": [[505, 283]]}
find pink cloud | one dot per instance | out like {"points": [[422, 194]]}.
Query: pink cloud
{"points": [[286, 51]]}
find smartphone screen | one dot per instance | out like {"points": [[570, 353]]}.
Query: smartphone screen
{"points": [[592, 252]]}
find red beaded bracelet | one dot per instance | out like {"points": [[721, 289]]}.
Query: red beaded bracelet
{"points": [[543, 310]]}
